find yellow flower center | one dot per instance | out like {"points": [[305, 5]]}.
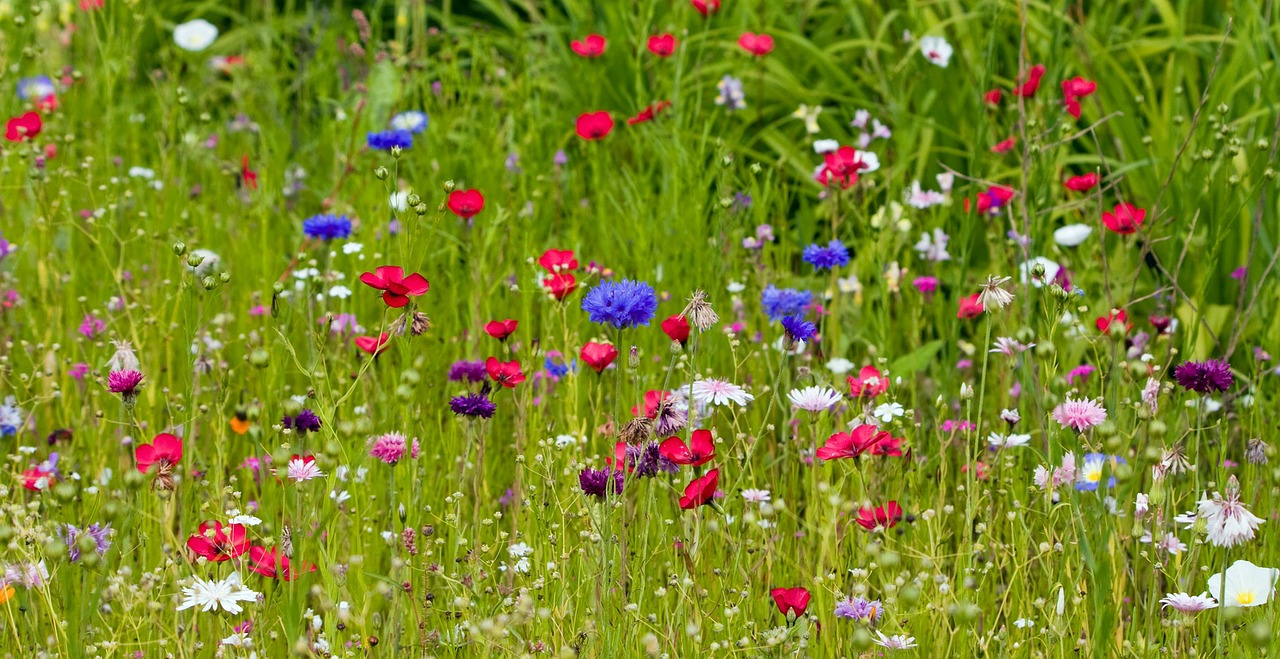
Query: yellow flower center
{"points": [[1245, 598]]}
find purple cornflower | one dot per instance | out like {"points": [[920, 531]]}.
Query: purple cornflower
{"points": [[468, 371], [834, 255], [98, 532], [513, 163], [305, 422], [79, 370], [926, 285], [1082, 372], [473, 405], [343, 323], [859, 608], [124, 382], [646, 461], [91, 326], [595, 482], [560, 159], [6, 248], [1204, 377]]}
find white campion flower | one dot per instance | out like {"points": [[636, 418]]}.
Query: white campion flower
{"points": [[1072, 235], [1228, 522], [887, 412], [825, 146], [1011, 440], [839, 366], [195, 36], [212, 595], [936, 50]]}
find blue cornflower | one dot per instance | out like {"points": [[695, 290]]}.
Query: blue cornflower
{"points": [[473, 405], [10, 417], [798, 329], [621, 304], [98, 532], [327, 227], [387, 139], [412, 121], [557, 367], [834, 255], [36, 87], [779, 302], [1089, 474]]}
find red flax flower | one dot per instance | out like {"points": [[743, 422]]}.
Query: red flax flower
{"points": [[272, 564], [1117, 319], [165, 451], [506, 374], [591, 46], [699, 451], [396, 288], [24, 127], [559, 286], [1028, 88], [676, 328], [558, 260], [1078, 87], [706, 7], [1082, 183], [466, 203], [970, 307], [1004, 146], [594, 125], [248, 176], [372, 345], [756, 44], [217, 543], [599, 355], [886, 516], [648, 113], [700, 491], [652, 398], [992, 98], [868, 383], [1125, 219], [791, 601], [662, 45], [501, 329], [843, 165], [863, 439]]}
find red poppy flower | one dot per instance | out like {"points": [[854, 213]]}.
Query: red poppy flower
{"points": [[36, 479], [970, 307], [1082, 183], [371, 344], [47, 104], [396, 287], [619, 460], [648, 113], [700, 450], [506, 374], [994, 197], [217, 543], [868, 383], [700, 491], [1117, 318], [599, 355], [591, 46], [992, 98], [791, 600], [677, 328], [1125, 219], [466, 203], [1004, 146], [886, 516], [651, 400], [559, 286], [1072, 106], [556, 260], [24, 127], [165, 450], [1078, 87], [756, 44], [272, 564], [90, 5], [500, 329], [860, 440], [706, 7], [843, 165], [1028, 88], [980, 473], [594, 125], [248, 176], [662, 45]]}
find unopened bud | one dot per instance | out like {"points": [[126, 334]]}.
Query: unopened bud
{"points": [[449, 186], [381, 173], [179, 248], [209, 283]]}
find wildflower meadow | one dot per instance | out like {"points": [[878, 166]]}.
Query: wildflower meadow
{"points": [[646, 328]]}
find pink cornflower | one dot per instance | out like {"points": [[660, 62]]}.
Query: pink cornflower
{"points": [[391, 448], [1079, 415], [126, 384], [303, 468], [91, 326], [79, 370]]}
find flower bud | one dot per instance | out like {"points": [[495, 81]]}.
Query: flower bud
{"points": [[209, 283], [1037, 270], [194, 260], [382, 173], [260, 358], [449, 186], [414, 200], [396, 151], [179, 248]]}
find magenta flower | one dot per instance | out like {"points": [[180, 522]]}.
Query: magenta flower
{"points": [[91, 326], [124, 382], [392, 447]]}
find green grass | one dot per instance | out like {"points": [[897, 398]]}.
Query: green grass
{"points": [[1183, 123]]}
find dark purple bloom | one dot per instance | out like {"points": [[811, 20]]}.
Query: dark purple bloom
{"points": [[859, 608], [473, 405], [594, 482], [798, 329], [467, 371], [124, 382], [646, 461], [305, 422], [1204, 377]]}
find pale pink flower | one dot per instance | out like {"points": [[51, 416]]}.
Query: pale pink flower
{"points": [[303, 468], [1079, 415], [1189, 603]]}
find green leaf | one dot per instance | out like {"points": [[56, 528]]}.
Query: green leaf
{"points": [[917, 360]]}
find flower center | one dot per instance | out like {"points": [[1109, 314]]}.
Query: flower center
{"points": [[1244, 599]]}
